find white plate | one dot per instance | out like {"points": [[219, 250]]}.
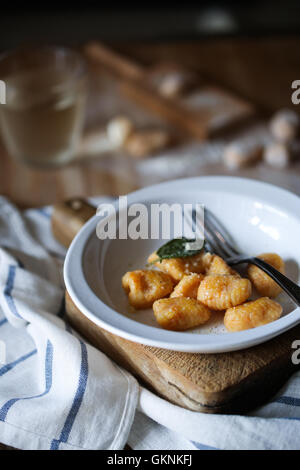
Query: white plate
{"points": [[260, 217]]}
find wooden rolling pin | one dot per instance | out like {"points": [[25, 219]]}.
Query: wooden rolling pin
{"points": [[134, 84]]}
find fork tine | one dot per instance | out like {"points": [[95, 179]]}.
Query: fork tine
{"points": [[220, 233], [214, 243], [211, 230], [215, 239]]}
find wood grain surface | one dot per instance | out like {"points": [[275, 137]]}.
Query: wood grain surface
{"points": [[259, 69], [4, 447], [233, 382]]}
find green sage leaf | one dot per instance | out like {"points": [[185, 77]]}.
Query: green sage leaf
{"points": [[179, 248]]}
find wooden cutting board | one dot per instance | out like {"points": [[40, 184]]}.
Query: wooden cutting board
{"points": [[232, 382]]}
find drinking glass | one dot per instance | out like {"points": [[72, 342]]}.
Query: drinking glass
{"points": [[41, 119]]}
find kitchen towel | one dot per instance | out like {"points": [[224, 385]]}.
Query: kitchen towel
{"points": [[58, 392]]}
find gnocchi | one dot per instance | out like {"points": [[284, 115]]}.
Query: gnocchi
{"points": [[180, 313], [145, 286], [220, 292], [188, 286], [179, 267], [184, 292], [252, 314], [218, 266], [261, 281]]}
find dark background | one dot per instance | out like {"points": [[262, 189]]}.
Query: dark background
{"points": [[75, 22]]}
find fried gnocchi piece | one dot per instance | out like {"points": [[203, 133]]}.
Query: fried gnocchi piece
{"points": [[179, 267], [252, 314], [219, 266], [180, 313], [220, 292], [145, 286], [261, 281], [188, 286]]}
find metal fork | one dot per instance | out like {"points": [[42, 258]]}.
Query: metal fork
{"points": [[221, 243]]}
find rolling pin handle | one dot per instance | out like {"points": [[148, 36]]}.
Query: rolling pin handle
{"points": [[68, 217]]}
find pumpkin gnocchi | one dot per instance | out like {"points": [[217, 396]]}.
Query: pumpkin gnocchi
{"points": [[180, 313], [179, 267], [145, 286], [261, 281], [218, 266], [188, 286], [184, 291], [252, 314], [223, 291]]}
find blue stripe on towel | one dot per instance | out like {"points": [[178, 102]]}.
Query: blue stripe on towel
{"points": [[3, 321], [11, 365], [44, 212], [289, 418], [81, 387], [203, 446], [48, 383], [8, 290], [286, 400]]}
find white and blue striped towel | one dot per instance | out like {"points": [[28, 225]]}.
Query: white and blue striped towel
{"points": [[58, 392]]}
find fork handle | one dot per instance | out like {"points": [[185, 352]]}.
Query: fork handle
{"points": [[290, 287]]}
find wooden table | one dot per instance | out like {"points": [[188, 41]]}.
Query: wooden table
{"points": [[258, 69]]}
